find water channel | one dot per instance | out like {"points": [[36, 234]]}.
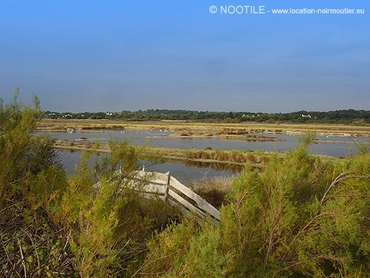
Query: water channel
{"points": [[336, 146]]}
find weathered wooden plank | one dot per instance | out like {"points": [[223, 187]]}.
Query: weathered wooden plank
{"points": [[162, 178], [137, 184], [203, 204], [185, 203], [155, 188], [159, 184], [156, 183]]}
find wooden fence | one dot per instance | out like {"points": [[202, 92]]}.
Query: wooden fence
{"points": [[175, 193]]}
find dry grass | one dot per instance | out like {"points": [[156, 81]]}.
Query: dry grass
{"points": [[231, 157], [214, 190]]}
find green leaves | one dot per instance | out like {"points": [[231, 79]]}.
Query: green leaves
{"points": [[17, 124], [309, 225], [300, 216]]}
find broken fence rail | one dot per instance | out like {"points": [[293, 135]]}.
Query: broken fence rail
{"points": [[171, 190]]}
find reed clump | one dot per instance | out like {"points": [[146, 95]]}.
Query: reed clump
{"points": [[214, 189]]}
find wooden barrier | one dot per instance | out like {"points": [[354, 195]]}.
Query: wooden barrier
{"points": [[172, 191]]}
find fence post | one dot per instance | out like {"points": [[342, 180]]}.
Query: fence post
{"points": [[167, 186]]}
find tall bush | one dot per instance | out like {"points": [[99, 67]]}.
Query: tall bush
{"points": [[91, 223], [300, 216], [107, 215], [31, 183]]}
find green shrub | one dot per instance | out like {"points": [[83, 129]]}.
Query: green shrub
{"points": [[32, 244], [111, 221], [93, 223], [299, 216]]}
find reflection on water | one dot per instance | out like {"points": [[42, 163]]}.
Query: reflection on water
{"points": [[182, 172], [216, 166], [186, 173]]}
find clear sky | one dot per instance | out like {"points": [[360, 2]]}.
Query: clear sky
{"points": [[209, 55]]}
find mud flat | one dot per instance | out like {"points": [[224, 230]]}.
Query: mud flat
{"points": [[199, 129]]}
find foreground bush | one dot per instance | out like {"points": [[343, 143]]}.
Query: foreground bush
{"points": [[54, 225], [297, 217], [31, 185], [111, 221]]}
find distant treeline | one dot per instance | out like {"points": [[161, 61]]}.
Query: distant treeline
{"points": [[349, 116]]}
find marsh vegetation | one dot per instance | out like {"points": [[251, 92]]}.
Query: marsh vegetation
{"points": [[298, 216]]}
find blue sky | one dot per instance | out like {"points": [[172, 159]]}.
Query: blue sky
{"points": [[128, 55]]}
